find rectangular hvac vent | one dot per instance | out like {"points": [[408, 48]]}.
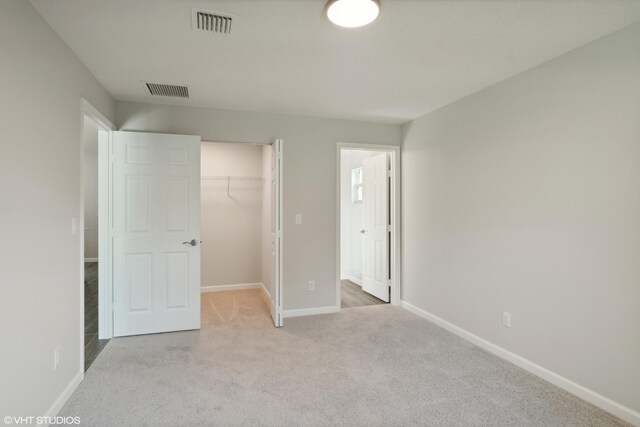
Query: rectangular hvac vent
{"points": [[158, 89], [212, 22]]}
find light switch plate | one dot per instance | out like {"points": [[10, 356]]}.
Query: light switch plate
{"points": [[506, 319]]}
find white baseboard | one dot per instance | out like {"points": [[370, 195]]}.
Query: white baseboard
{"points": [[237, 287], [91, 260], [266, 296], [265, 291], [310, 311], [55, 408], [355, 280], [582, 392]]}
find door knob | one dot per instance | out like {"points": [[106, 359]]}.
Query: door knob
{"points": [[363, 231], [194, 242]]}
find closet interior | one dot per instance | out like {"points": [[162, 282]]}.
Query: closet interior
{"points": [[236, 232]]}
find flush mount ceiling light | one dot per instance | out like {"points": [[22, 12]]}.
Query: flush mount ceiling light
{"points": [[353, 13]]}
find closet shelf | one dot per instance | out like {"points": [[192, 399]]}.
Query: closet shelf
{"points": [[230, 178]]}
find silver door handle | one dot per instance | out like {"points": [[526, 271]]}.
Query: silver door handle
{"points": [[363, 231], [194, 242]]}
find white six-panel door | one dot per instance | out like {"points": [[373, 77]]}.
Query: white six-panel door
{"points": [[156, 233], [375, 201]]}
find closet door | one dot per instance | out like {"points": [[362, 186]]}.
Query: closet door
{"points": [[276, 232], [156, 233]]}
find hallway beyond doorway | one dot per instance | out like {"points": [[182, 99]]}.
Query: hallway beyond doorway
{"points": [[352, 295]]}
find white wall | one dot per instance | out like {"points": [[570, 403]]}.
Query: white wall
{"points": [[231, 227], [309, 178], [40, 191], [524, 197], [267, 216]]}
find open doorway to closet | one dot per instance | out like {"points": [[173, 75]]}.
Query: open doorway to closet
{"points": [[368, 217], [238, 226]]}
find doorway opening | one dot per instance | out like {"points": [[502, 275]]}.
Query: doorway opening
{"points": [[368, 237], [238, 223], [95, 301], [93, 345]]}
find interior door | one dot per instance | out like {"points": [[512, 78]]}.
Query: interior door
{"points": [[156, 233], [375, 203], [276, 232]]}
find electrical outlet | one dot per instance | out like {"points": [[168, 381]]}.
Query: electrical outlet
{"points": [[56, 358], [74, 226], [506, 319], [312, 285], [298, 219]]}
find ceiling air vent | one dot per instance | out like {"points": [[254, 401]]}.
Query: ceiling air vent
{"points": [[158, 89], [211, 22]]}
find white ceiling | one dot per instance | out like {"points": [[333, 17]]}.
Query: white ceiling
{"points": [[285, 57]]}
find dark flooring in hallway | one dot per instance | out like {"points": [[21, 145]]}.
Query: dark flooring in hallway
{"points": [[352, 295], [92, 344]]}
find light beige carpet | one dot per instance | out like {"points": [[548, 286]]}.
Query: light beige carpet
{"points": [[367, 366], [233, 308]]}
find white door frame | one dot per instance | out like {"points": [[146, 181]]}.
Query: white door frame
{"points": [[394, 197], [278, 283], [104, 212]]}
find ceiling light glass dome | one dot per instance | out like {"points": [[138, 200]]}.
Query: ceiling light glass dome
{"points": [[353, 13]]}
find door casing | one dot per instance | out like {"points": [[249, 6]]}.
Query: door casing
{"points": [[104, 212], [276, 298]]}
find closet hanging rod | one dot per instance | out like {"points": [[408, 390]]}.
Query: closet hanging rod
{"points": [[233, 178], [230, 178]]}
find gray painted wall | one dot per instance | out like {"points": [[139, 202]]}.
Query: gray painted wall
{"points": [[40, 188], [524, 197], [309, 178]]}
